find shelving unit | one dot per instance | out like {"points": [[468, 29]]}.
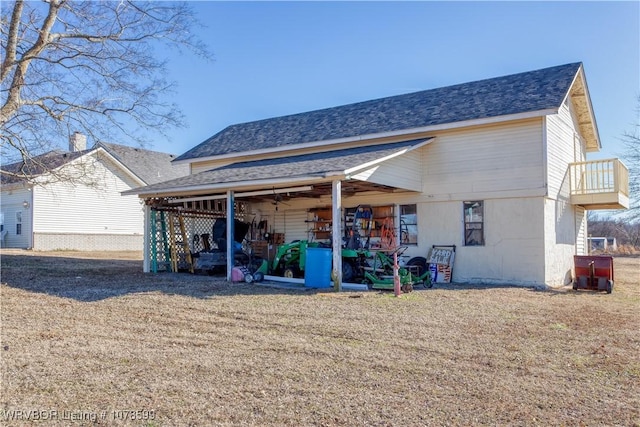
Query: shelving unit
{"points": [[320, 223], [379, 214]]}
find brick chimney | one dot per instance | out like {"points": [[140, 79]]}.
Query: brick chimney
{"points": [[77, 142]]}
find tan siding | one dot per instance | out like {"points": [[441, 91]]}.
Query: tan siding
{"points": [[513, 252], [288, 219], [205, 166], [295, 227], [486, 161]]}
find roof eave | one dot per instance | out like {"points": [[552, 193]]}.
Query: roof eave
{"points": [[18, 185], [593, 143], [234, 186]]}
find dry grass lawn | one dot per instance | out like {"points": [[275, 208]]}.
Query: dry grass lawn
{"points": [[90, 335]]}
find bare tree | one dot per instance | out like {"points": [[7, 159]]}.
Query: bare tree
{"points": [[88, 66], [631, 157]]}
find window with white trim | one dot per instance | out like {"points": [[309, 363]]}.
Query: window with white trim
{"points": [[474, 223], [408, 224], [19, 222]]}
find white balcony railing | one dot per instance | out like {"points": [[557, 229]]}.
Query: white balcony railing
{"points": [[600, 184]]}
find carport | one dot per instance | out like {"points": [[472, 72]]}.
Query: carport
{"points": [[381, 167]]}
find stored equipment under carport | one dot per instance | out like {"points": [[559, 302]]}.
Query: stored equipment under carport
{"points": [[216, 258]]}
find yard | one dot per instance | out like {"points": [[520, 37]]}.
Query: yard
{"points": [[89, 338]]}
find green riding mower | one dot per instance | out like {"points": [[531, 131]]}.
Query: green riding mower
{"points": [[379, 272], [290, 260]]}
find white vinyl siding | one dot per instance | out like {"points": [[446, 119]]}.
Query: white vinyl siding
{"points": [[67, 208], [75, 216], [565, 224], [485, 162], [12, 208], [559, 241], [581, 231], [564, 146]]}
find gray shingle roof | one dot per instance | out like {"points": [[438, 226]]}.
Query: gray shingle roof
{"points": [[37, 165], [286, 168], [518, 93], [150, 166]]}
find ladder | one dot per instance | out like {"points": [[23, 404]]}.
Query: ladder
{"points": [[179, 243], [388, 235], [160, 249]]}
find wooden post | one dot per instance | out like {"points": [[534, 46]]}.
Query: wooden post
{"points": [[396, 275], [230, 233], [336, 233], [146, 238]]}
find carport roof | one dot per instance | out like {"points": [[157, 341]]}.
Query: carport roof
{"points": [[283, 170]]}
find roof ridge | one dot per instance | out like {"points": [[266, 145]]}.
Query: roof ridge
{"points": [[409, 93], [525, 92]]}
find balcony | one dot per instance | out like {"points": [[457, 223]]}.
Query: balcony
{"points": [[599, 184]]}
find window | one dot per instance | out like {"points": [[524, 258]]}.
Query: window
{"points": [[408, 225], [18, 222], [474, 223]]}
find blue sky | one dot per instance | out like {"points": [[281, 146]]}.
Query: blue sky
{"points": [[277, 58]]}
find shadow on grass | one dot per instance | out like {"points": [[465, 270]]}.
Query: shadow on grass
{"points": [[549, 291], [89, 280]]}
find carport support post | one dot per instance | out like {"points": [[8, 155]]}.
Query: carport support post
{"points": [[231, 214], [336, 233], [146, 265]]}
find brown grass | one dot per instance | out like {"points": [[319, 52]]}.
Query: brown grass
{"points": [[90, 334]]}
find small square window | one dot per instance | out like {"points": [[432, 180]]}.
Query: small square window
{"points": [[474, 223], [408, 225]]}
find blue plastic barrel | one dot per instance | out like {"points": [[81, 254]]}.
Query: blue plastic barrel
{"points": [[317, 269]]}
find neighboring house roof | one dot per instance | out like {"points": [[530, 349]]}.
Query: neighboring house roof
{"points": [[37, 165], [148, 166], [540, 90], [287, 169]]}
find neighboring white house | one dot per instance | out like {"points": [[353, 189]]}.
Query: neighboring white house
{"points": [[497, 167], [44, 213], [602, 244]]}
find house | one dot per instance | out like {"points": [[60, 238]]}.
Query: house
{"points": [[496, 167], [47, 212], [602, 244]]}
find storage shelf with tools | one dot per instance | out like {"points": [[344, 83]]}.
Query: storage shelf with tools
{"points": [[372, 226], [320, 223]]}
